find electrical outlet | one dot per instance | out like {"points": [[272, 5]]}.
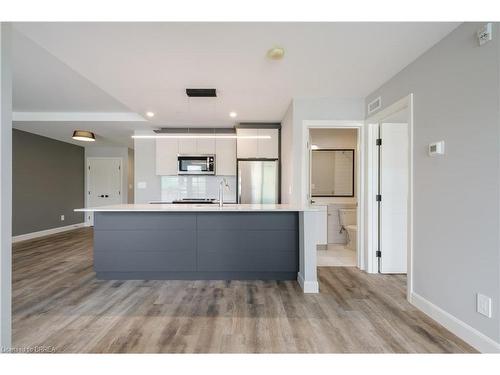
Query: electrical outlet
{"points": [[62, 217], [483, 305]]}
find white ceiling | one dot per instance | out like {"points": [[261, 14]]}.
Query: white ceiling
{"points": [[139, 67]]}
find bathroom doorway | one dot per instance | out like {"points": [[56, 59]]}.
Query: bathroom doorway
{"points": [[333, 180]]}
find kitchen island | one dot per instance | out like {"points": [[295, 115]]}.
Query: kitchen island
{"points": [[205, 241]]}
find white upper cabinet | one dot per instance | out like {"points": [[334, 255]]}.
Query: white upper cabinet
{"points": [[225, 158], [267, 148], [167, 150], [166, 156], [205, 146], [196, 146], [187, 146], [247, 147]]}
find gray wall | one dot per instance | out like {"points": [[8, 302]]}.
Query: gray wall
{"points": [[48, 178], [456, 197], [5, 184]]}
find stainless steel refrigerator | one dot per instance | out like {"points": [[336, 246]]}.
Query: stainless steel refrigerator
{"points": [[258, 181]]}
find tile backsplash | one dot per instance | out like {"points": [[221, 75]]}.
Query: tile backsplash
{"points": [[206, 187]]}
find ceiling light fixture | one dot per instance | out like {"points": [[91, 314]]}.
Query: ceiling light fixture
{"points": [[233, 114], [150, 114], [193, 136], [83, 135], [276, 53]]}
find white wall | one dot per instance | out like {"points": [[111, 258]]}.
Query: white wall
{"points": [[335, 138], [127, 156], [456, 196], [304, 109], [287, 157], [5, 185], [130, 176], [145, 170]]}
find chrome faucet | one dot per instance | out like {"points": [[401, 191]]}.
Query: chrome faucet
{"points": [[222, 184]]}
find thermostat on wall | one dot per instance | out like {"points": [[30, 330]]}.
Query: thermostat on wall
{"points": [[436, 148]]}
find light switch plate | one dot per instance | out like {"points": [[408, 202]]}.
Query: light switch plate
{"points": [[483, 305], [62, 217], [436, 148], [141, 185]]}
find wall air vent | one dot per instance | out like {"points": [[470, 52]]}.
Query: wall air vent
{"points": [[374, 105], [201, 93]]}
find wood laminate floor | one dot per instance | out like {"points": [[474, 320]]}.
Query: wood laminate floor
{"points": [[58, 302]]}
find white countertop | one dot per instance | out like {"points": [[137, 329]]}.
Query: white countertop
{"points": [[200, 208]]}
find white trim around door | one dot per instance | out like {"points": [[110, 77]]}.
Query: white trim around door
{"points": [[360, 168], [371, 125]]}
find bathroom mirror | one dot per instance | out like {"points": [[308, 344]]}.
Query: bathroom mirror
{"points": [[332, 173]]}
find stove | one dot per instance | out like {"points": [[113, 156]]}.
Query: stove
{"points": [[194, 201]]}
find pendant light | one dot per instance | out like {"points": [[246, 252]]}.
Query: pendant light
{"points": [[83, 135]]}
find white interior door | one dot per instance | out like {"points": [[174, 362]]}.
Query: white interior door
{"points": [[394, 191], [104, 180]]}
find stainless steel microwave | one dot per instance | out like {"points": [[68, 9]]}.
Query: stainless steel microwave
{"points": [[196, 164]]}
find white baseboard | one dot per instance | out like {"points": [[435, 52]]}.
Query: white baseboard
{"points": [[307, 286], [47, 232], [467, 333]]}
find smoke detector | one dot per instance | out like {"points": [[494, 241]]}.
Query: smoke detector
{"points": [[276, 53]]}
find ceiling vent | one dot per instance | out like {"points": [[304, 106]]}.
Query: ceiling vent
{"points": [[201, 93], [374, 105]]}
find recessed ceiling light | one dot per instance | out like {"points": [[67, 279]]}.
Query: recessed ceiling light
{"points": [[233, 114], [276, 53], [150, 114], [83, 135]]}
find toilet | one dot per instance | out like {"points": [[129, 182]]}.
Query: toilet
{"points": [[347, 217]]}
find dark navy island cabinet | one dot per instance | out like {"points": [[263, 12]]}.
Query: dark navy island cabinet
{"points": [[196, 245]]}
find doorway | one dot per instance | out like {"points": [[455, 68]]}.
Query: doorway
{"points": [[389, 190], [333, 182], [393, 193], [104, 181]]}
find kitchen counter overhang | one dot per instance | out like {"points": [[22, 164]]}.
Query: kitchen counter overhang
{"points": [[231, 207], [233, 242]]}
